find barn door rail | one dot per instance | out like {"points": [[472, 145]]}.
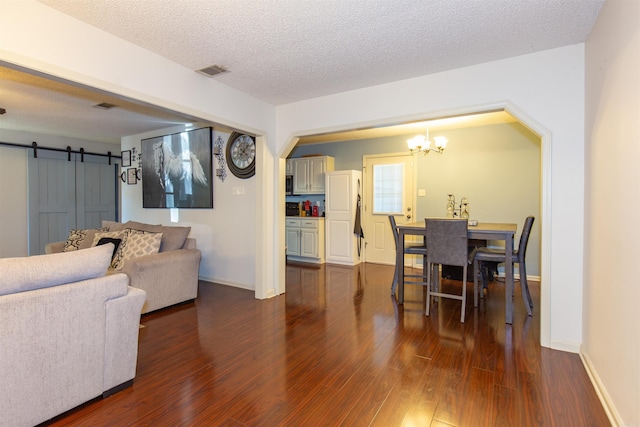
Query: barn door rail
{"points": [[34, 145]]}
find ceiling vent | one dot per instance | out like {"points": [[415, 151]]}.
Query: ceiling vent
{"points": [[104, 106], [212, 70]]}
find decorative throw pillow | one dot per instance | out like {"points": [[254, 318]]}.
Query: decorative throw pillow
{"points": [[136, 244], [116, 244], [173, 237], [112, 235], [81, 239]]}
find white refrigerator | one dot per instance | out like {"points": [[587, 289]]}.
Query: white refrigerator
{"points": [[342, 244]]}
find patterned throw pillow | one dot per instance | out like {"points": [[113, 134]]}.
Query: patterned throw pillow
{"points": [[136, 244], [112, 235], [81, 239], [116, 244]]}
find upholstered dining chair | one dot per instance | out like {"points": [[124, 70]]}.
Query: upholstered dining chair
{"points": [[483, 254], [447, 243], [409, 249]]}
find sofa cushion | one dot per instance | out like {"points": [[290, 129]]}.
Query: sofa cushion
{"points": [[115, 242], [43, 271], [117, 255], [81, 239], [173, 237], [138, 243], [112, 225], [149, 228]]}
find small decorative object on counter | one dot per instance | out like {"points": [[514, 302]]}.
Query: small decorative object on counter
{"points": [[464, 208], [451, 206]]}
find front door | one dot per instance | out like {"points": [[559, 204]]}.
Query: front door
{"points": [[389, 182]]}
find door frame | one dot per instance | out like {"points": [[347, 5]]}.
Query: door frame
{"points": [[415, 262]]}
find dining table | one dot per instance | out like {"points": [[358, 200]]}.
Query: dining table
{"points": [[475, 230]]}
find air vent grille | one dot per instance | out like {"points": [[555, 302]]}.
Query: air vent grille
{"points": [[104, 106], [212, 70]]}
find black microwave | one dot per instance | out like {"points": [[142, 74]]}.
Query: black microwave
{"points": [[288, 186]]}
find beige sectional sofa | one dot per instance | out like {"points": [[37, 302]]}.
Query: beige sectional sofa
{"points": [[68, 333], [169, 276]]}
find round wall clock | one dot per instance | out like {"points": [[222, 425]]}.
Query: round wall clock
{"points": [[241, 155]]}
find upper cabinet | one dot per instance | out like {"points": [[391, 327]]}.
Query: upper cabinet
{"points": [[309, 172]]}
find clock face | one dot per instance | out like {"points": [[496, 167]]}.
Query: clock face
{"points": [[241, 155]]}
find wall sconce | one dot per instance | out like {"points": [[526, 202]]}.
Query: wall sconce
{"points": [[218, 153], [422, 144]]}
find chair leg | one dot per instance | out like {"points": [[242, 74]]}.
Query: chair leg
{"points": [[394, 284], [464, 293], [429, 281], [475, 282], [524, 286], [424, 267]]}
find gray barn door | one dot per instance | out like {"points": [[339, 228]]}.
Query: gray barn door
{"points": [[95, 192], [67, 194]]}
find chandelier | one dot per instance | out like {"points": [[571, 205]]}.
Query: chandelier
{"points": [[422, 144]]}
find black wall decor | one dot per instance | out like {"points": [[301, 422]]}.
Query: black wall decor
{"points": [[176, 170]]}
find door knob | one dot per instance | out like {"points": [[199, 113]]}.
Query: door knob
{"points": [[408, 216]]}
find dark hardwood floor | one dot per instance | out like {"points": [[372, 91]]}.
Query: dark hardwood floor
{"points": [[336, 350]]}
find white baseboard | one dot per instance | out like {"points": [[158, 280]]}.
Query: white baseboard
{"points": [[601, 391], [226, 283], [570, 347]]}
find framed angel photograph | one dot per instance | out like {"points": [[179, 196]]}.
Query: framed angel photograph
{"points": [[177, 170]]}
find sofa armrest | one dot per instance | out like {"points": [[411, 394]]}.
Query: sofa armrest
{"points": [[168, 278], [54, 248], [121, 338]]}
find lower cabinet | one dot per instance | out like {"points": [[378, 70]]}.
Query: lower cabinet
{"points": [[305, 239]]}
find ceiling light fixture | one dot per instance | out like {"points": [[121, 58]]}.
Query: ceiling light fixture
{"points": [[422, 144]]}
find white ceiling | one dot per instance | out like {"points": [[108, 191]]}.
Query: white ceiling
{"points": [[282, 51]]}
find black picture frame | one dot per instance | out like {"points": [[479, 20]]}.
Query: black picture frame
{"points": [[132, 176], [126, 158], [177, 170]]}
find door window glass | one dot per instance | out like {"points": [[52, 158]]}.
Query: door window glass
{"points": [[387, 189]]}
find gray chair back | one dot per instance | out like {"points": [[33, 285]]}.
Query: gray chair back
{"points": [[394, 228], [524, 238], [447, 241]]}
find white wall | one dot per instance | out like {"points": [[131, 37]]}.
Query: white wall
{"points": [[611, 338], [13, 193], [548, 88], [225, 234]]}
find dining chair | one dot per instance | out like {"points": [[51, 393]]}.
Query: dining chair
{"points": [[409, 249], [484, 254], [447, 243]]}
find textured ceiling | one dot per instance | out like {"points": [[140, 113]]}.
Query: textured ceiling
{"points": [[282, 51], [288, 50]]}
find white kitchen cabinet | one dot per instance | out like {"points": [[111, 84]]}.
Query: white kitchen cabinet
{"points": [[289, 167], [305, 239], [309, 173]]}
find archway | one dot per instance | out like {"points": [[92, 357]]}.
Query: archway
{"points": [[545, 220]]}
